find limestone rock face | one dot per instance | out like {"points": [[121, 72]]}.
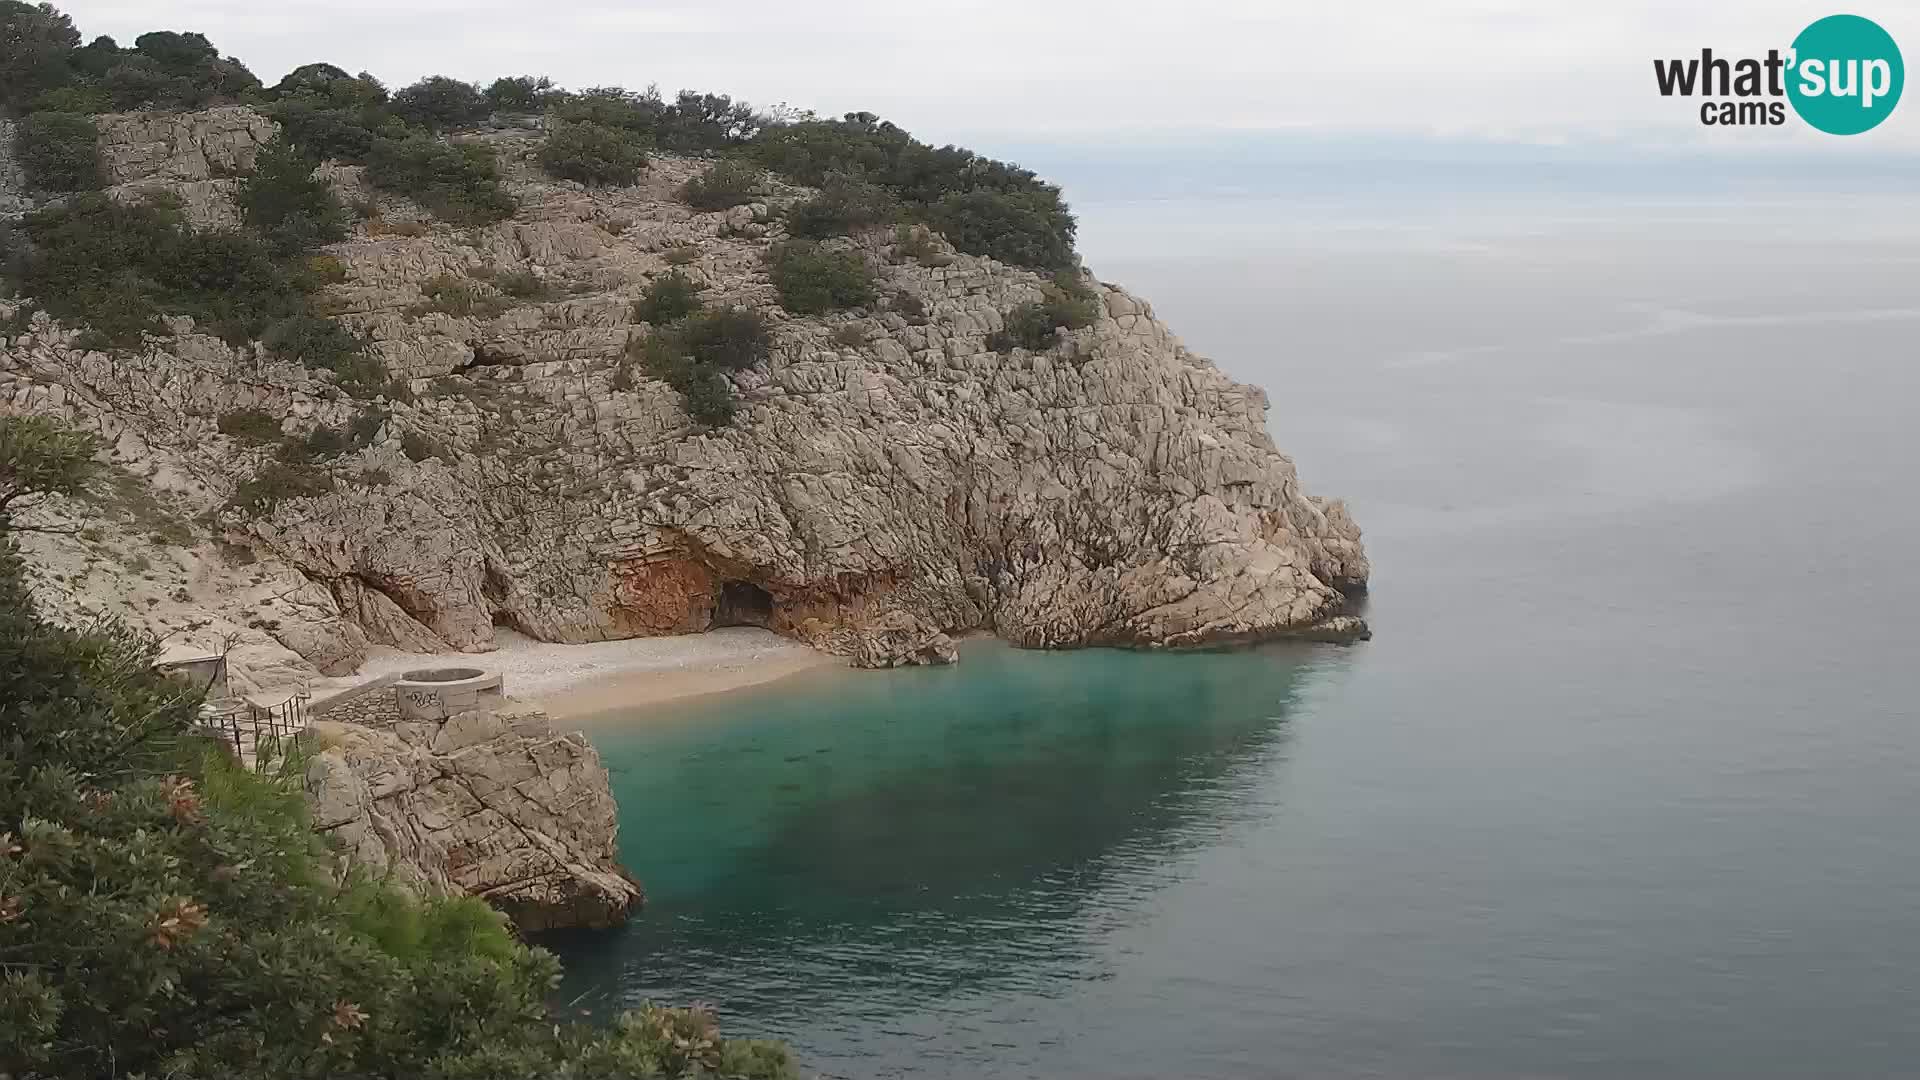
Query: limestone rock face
{"points": [[197, 157], [870, 498], [491, 805]]}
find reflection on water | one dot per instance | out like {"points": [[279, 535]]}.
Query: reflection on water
{"points": [[883, 841]]}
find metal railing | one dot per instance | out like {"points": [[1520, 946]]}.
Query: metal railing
{"points": [[254, 731]]}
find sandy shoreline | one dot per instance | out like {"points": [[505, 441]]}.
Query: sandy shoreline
{"points": [[579, 680]]}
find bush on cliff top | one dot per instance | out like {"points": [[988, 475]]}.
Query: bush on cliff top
{"points": [[670, 296], [290, 207], [59, 151], [727, 184], [116, 269], [164, 912], [1066, 303], [593, 154], [813, 281]]}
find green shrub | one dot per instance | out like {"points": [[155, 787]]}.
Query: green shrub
{"points": [[519, 94], [59, 151], [168, 913], [318, 445], [850, 335], [438, 103], [459, 184], [1024, 229], [449, 294], [291, 208], [317, 342], [419, 447], [116, 268], [366, 427], [707, 393], [1066, 303], [845, 205], [812, 281], [328, 131], [276, 482], [40, 43], [910, 305], [727, 184], [995, 208], [729, 339], [671, 296], [593, 154], [524, 285], [250, 425], [691, 123], [87, 99]]}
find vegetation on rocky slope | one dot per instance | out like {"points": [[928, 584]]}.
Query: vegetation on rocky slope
{"points": [[166, 913]]}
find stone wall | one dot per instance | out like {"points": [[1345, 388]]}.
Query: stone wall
{"points": [[370, 705]]}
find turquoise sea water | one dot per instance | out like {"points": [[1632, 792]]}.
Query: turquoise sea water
{"points": [[1623, 787]]}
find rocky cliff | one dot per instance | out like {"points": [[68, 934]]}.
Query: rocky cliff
{"points": [[494, 806], [889, 479]]}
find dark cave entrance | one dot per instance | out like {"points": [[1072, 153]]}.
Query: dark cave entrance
{"points": [[742, 603]]}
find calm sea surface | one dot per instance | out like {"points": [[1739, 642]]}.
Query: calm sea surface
{"points": [[1625, 786]]}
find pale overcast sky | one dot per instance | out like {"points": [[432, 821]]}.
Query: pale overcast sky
{"points": [[1025, 70]]}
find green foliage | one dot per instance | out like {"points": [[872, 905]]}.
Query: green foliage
{"points": [[694, 355], [39, 42], [1065, 303], [998, 208], [691, 123], [366, 427], [524, 285], [728, 183], [812, 280], [116, 268], [460, 184], [59, 151], [88, 99], [319, 444], [730, 339], [1023, 228], [438, 103], [706, 392], [250, 425], [593, 154], [164, 912], [671, 296], [519, 94], [328, 131], [278, 481], [291, 208], [845, 205], [419, 448], [460, 297], [168, 70], [39, 457], [849, 335]]}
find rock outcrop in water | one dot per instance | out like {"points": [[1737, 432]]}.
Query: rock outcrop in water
{"points": [[495, 806], [889, 480]]}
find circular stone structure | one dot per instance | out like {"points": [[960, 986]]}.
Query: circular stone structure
{"points": [[438, 693]]}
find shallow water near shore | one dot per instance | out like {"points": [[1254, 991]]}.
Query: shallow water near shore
{"points": [[1624, 785]]}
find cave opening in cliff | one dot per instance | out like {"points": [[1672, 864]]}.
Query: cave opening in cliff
{"points": [[742, 603]]}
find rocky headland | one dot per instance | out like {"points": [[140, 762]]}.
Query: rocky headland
{"points": [[890, 479]]}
